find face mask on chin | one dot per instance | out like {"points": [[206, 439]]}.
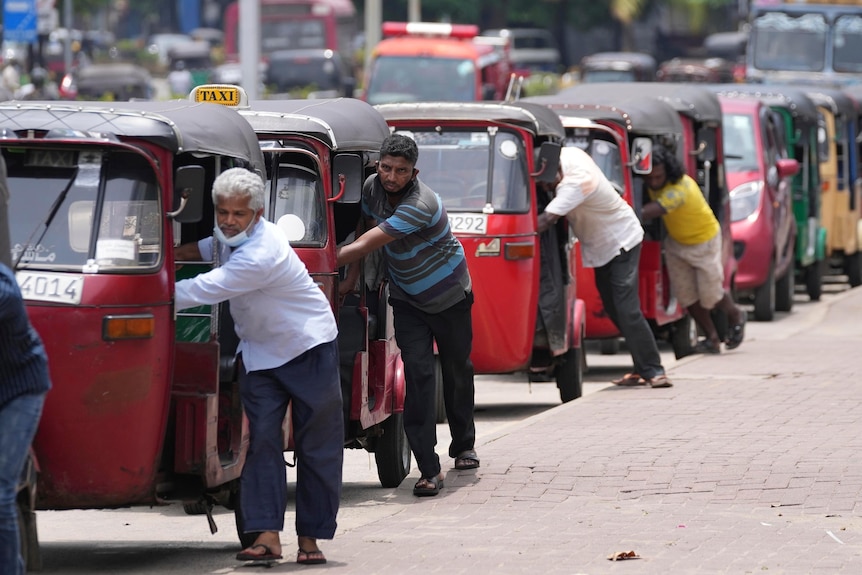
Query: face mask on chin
{"points": [[233, 241]]}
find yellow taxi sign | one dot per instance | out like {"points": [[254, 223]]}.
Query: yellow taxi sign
{"points": [[224, 94]]}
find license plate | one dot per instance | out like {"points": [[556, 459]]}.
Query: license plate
{"points": [[56, 288], [469, 223]]}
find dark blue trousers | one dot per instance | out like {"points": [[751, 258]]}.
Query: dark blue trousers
{"points": [[415, 333], [312, 383]]}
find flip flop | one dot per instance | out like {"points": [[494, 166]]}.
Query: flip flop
{"points": [[436, 485], [467, 460], [267, 554], [304, 557], [629, 379]]}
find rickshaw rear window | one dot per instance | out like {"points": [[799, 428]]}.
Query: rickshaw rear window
{"points": [[116, 189], [455, 164]]}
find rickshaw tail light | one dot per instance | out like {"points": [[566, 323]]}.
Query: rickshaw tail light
{"points": [[128, 326], [520, 250]]}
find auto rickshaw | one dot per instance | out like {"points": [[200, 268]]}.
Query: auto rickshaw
{"points": [[318, 154], [611, 132], [485, 160], [800, 120], [696, 70], [618, 67], [840, 191], [113, 82], [195, 56], [145, 404]]}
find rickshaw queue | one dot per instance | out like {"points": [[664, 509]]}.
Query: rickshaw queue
{"points": [[645, 199]]}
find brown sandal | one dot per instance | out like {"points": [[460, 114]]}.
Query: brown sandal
{"points": [[629, 379]]}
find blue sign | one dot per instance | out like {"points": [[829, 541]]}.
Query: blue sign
{"points": [[19, 20]]}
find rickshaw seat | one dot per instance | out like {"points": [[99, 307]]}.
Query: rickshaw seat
{"points": [[351, 340], [228, 344]]}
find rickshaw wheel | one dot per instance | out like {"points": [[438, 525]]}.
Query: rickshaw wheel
{"points": [[764, 298], [784, 288], [853, 265], [570, 375], [814, 280], [392, 452], [683, 336], [27, 531]]}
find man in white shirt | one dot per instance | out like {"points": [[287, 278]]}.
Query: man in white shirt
{"points": [[610, 236], [289, 353]]}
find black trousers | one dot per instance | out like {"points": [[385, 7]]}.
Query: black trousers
{"points": [[416, 332]]}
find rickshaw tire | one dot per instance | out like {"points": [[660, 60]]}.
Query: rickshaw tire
{"points": [[29, 538], [814, 280], [392, 452], [683, 336], [570, 375], [853, 265], [765, 297], [196, 507], [784, 289]]}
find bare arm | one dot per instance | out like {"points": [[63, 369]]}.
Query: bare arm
{"points": [[652, 210], [187, 253], [371, 240], [546, 220]]}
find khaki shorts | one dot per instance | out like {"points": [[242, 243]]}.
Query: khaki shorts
{"points": [[696, 272]]}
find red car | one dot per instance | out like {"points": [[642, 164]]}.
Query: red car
{"points": [[761, 205]]}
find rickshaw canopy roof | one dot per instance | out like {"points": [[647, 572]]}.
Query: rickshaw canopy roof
{"points": [[177, 125], [538, 119], [693, 100], [647, 116], [791, 98], [839, 102], [343, 124]]}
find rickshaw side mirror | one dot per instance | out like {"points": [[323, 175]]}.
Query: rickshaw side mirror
{"points": [[706, 144], [548, 162], [188, 195], [641, 156], [349, 166]]}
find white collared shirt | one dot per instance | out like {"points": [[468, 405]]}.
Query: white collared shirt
{"points": [[602, 221], [278, 310]]}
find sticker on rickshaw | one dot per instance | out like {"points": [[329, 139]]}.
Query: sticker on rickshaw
{"points": [[54, 288], [468, 223]]}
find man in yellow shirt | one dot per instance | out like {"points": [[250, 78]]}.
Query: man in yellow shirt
{"points": [[692, 249]]}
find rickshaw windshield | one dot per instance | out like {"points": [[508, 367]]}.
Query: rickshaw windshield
{"points": [[296, 202], [82, 207], [847, 44], [784, 42], [593, 76], [607, 157], [455, 164], [739, 143]]}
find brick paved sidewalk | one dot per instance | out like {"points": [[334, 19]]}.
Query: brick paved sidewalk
{"points": [[751, 463]]}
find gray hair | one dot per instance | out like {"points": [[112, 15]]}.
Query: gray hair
{"points": [[240, 183]]}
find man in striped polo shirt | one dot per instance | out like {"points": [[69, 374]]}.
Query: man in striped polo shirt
{"points": [[431, 298]]}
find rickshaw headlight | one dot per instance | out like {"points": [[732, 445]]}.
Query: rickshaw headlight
{"points": [[520, 250], [745, 200], [140, 326]]}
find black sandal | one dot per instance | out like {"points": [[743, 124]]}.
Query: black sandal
{"points": [[467, 460], [436, 483]]}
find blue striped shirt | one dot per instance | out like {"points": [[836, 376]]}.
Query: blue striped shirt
{"points": [[23, 363], [426, 264]]}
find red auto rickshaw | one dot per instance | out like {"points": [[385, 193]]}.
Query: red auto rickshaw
{"points": [[484, 160], [145, 405], [612, 130]]}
